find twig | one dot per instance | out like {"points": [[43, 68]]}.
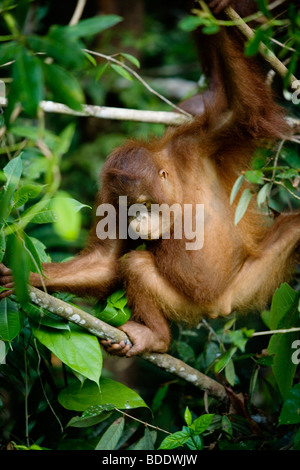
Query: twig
{"points": [[139, 78], [268, 55], [272, 332], [103, 330], [77, 12]]}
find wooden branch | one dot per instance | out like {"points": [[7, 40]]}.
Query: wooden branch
{"points": [[265, 52], [104, 331], [124, 114]]}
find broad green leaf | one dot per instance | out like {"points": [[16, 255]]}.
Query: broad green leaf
{"points": [[79, 398], [242, 205], [35, 263], [283, 300], [9, 320], [77, 349], [290, 412], [26, 192], [110, 438], [200, 424], [226, 425], [230, 372], [91, 416], [211, 29], [195, 443], [185, 351], [64, 86], [8, 52], [121, 71], [158, 397], [91, 26], [177, 439], [57, 45], [115, 317], [236, 188], [27, 85], [68, 222], [147, 441], [284, 314], [224, 359], [190, 23], [254, 176], [19, 263]]}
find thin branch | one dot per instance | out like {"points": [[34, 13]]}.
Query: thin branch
{"points": [[104, 112], [103, 330], [77, 12], [273, 332], [139, 78], [268, 55]]}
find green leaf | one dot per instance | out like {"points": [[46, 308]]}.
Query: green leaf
{"points": [[254, 176], [101, 70], [177, 439], [147, 441], [79, 398], [64, 86], [224, 359], [115, 317], [185, 351], [263, 194], [12, 171], [131, 59], [26, 192], [9, 320], [200, 424], [8, 52], [77, 349], [19, 263], [57, 45], [187, 416], [226, 425], [68, 222], [91, 26], [121, 71], [190, 23], [290, 412], [283, 301], [230, 372], [284, 314], [253, 44], [242, 205], [110, 438], [2, 245], [236, 188], [195, 443], [27, 85]]}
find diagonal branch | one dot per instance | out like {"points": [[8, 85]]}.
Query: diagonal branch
{"points": [[104, 331], [265, 52]]}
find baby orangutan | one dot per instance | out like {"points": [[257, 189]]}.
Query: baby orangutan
{"points": [[237, 267]]}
